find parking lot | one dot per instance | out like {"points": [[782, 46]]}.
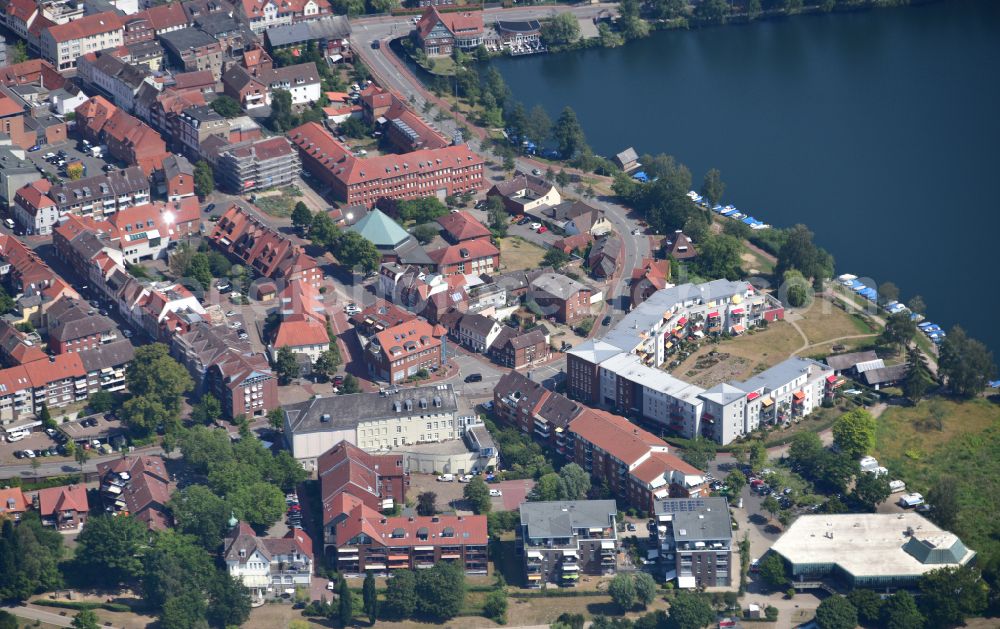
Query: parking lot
{"points": [[37, 442], [98, 427], [94, 165]]}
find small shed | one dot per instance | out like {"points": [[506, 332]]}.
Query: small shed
{"points": [[627, 160]]}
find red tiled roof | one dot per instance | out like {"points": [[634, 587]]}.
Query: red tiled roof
{"points": [[87, 26], [299, 330], [660, 463], [167, 16], [54, 369], [22, 10], [463, 226], [418, 335], [314, 140], [9, 108], [465, 251], [65, 498], [12, 500], [615, 435], [403, 531]]}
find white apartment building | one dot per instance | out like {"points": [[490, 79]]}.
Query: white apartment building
{"points": [[62, 44]]}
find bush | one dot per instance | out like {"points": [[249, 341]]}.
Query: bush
{"points": [[81, 605]]}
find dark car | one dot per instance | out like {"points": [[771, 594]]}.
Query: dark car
{"points": [[19, 454], [474, 377], [524, 221], [607, 320], [209, 207], [338, 380], [376, 44], [108, 167]]}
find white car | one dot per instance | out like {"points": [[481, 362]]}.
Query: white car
{"points": [[495, 493], [231, 313], [331, 585], [29, 453], [352, 309], [535, 226], [446, 478], [465, 478]]}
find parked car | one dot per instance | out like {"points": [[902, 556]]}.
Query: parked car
{"points": [[30, 454], [474, 377], [446, 478], [465, 478], [606, 320], [543, 229], [535, 226], [630, 527], [524, 221], [352, 309], [496, 493]]}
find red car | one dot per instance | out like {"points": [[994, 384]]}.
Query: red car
{"points": [[543, 229], [338, 380]]}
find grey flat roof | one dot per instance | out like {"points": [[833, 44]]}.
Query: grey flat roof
{"points": [[346, 411], [697, 519], [333, 27], [186, 39], [562, 518], [847, 361], [631, 367], [781, 374]]}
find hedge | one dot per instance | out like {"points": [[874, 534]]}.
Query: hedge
{"points": [[82, 605], [553, 593]]}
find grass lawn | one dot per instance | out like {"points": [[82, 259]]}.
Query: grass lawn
{"points": [[279, 203], [825, 321], [517, 253], [965, 445], [755, 263], [740, 357]]}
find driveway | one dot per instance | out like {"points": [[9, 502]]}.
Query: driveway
{"points": [[515, 492]]}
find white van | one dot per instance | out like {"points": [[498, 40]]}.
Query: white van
{"points": [[446, 478], [9, 222], [17, 434]]}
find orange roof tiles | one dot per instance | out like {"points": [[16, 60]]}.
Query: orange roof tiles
{"points": [[407, 338], [87, 26], [463, 226], [615, 435], [464, 251], [299, 330], [65, 498], [12, 500]]}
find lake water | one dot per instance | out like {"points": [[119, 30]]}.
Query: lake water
{"points": [[879, 130]]}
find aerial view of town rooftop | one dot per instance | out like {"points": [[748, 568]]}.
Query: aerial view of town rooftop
{"points": [[306, 321]]}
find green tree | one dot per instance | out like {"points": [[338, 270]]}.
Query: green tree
{"points": [[6, 302], [350, 385], [101, 402], [144, 413], [401, 593], [7, 619], [184, 611], [555, 258], [301, 216], [424, 233], [574, 482], [286, 366], [199, 512], [370, 595], [900, 611], [208, 410], [478, 495], [322, 230], [699, 452], [712, 187], [645, 589], [538, 125], [712, 11], [689, 610], [770, 504], [836, 612], [110, 549], [867, 603], [327, 363], [943, 496], [899, 329], [427, 503], [199, 270], [46, 417], [174, 565], [495, 606], [720, 256], [153, 372], [870, 490], [757, 455], [345, 604], [736, 481], [568, 134], [950, 595], [965, 364], [422, 210], [84, 619], [888, 292], [919, 379], [772, 571], [622, 591], [228, 601], [261, 503], [799, 252], [29, 558], [546, 489], [282, 116], [226, 106], [917, 304], [854, 433], [561, 30], [355, 251], [440, 591], [204, 179], [18, 53]]}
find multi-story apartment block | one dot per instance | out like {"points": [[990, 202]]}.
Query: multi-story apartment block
{"points": [[256, 165], [72, 326], [693, 539], [255, 88], [101, 196], [536, 411], [375, 421], [63, 44], [359, 539], [359, 181], [562, 540], [635, 464], [106, 74], [377, 480], [474, 257], [192, 49], [440, 33], [404, 350], [519, 350]]}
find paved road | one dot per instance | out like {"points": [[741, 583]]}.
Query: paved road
{"points": [[56, 468], [31, 613]]}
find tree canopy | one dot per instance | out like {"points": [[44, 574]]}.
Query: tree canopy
{"points": [[226, 106], [355, 251], [836, 612], [800, 252], [29, 558], [478, 495], [950, 595], [568, 134], [204, 179], [440, 591], [854, 433], [965, 364], [561, 30], [688, 610]]}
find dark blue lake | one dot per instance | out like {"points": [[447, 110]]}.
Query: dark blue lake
{"points": [[880, 130]]}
